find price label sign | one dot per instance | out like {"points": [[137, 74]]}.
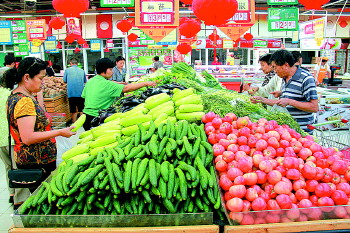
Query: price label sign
{"points": [[117, 3], [36, 29], [282, 2], [283, 19], [5, 32]]}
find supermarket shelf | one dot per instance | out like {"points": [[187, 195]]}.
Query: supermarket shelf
{"points": [[320, 225], [175, 229]]}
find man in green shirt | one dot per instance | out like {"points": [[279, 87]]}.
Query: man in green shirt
{"points": [[100, 93]]}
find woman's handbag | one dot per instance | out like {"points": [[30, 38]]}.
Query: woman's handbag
{"points": [[23, 178]]}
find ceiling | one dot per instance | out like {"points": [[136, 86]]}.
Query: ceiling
{"points": [[42, 7]]}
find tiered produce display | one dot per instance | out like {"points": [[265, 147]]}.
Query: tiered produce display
{"points": [[152, 161], [266, 166], [155, 156]]}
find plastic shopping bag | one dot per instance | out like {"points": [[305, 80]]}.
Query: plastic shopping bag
{"points": [[63, 144]]}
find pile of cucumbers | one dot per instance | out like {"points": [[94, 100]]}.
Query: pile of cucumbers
{"points": [[165, 169]]}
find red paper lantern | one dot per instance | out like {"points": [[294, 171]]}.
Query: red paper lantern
{"points": [[56, 23], [189, 28], [214, 12], [248, 36], [313, 4], [71, 8], [132, 37], [106, 50], [59, 45], [124, 25], [184, 48], [214, 37], [77, 50], [70, 38], [81, 40], [343, 24], [85, 46]]}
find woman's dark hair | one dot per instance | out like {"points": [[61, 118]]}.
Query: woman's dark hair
{"points": [[281, 57], [29, 65], [119, 58], [156, 58], [103, 64], [296, 55], [266, 58]]}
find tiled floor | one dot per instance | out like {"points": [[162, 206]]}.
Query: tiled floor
{"points": [[6, 209]]}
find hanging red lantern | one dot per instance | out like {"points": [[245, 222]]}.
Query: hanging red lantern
{"points": [[132, 37], [124, 25], [56, 23], [106, 50], [81, 40], [70, 38], [85, 46], [184, 48], [214, 37], [189, 28], [343, 24], [71, 8], [59, 45], [313, 5], [77, 50], [214, 12], [248, 36]]}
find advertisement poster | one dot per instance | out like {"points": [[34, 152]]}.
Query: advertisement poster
{"points": [[50, 44], [329, 43], [21, 50], [307, 30], [73, 26], [36, 29], [143, 57], [19, 33], [5, 33], [95, 45]]}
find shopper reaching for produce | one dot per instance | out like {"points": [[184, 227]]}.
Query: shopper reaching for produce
{"points": [[271, 82], [99, 92], [298, 94], [35, 145]]}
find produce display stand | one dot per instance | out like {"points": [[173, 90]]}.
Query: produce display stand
{"points": [[319, 225], [172, 229]]}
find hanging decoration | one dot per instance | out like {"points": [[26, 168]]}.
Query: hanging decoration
{"points": [[214, 12], [70, 38], [184, 48], [85, 46], [56, 23], [71, 8], [214, 37], [187, 2], [106, 50], [132, 37], [248, 36], [189, 27], [343, 24], [124, 25], [81, 40], [313, 4], [59, 45], [77, 50]]}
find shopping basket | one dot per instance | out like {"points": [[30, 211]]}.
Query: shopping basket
{"points": [[337, 138]]}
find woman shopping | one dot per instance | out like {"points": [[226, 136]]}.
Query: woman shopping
{"points": [[35, 145]]}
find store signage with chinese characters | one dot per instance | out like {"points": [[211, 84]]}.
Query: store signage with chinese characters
{"points": [[117, 3], [241, 21], [5, 32], [227, 44], [21, 50], [50, 44], [157, 18], [326, 44], [34, 49], [260, 43], [95, 45], [307, 30], [283, 19], [282, 2], [19, 33], [73, 26], [36, 29]]}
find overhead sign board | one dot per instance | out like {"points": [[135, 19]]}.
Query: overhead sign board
{"points": [[283, 19], [117, 3]]}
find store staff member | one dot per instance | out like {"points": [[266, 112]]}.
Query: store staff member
{"points": [[298, 94], [100, 93], [322, 71]]}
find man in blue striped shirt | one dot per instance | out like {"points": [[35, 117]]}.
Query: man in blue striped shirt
{"points": [[298, 93]]}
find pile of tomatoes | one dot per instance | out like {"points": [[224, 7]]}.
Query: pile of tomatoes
{"points": [[266, 166]]}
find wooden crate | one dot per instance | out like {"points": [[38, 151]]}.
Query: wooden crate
{"points": [[175, 229], [55, 101], [319, 225]]}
